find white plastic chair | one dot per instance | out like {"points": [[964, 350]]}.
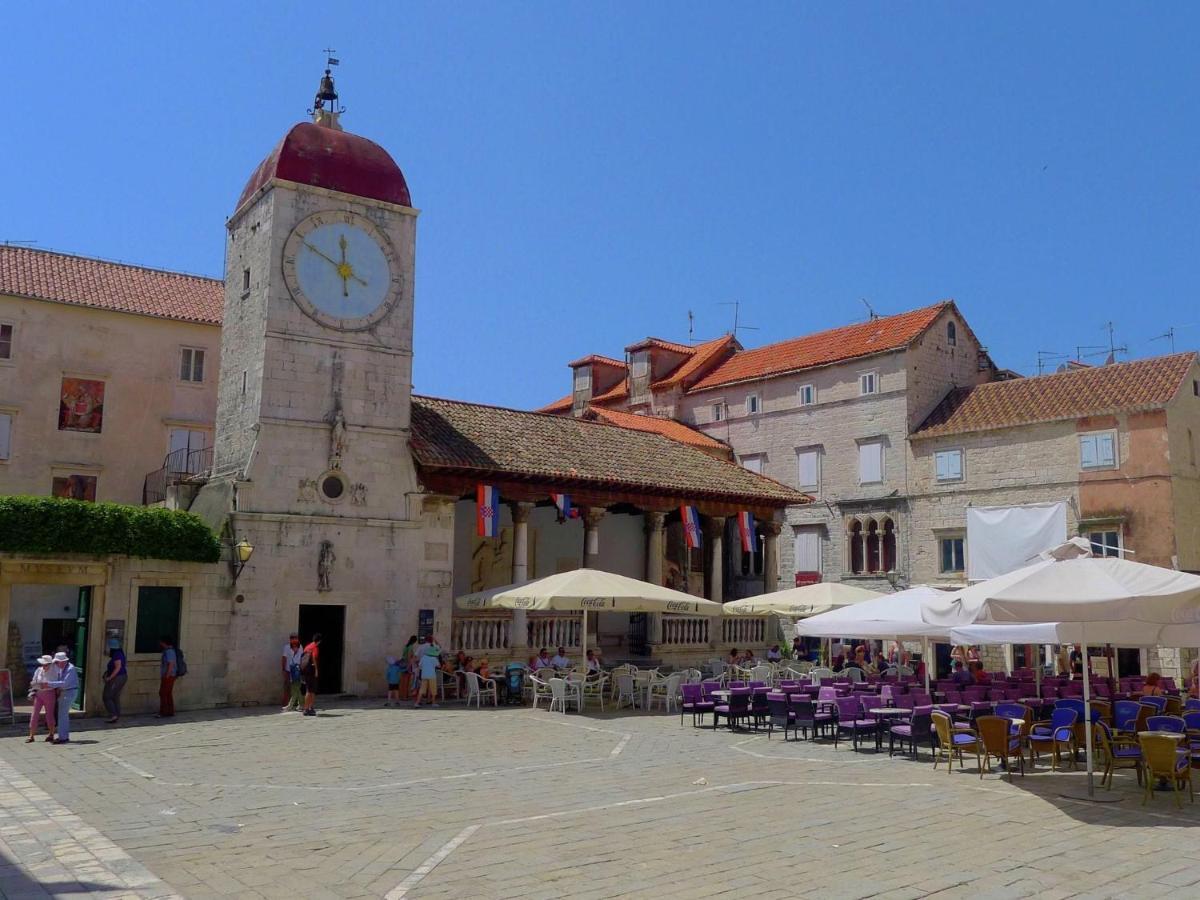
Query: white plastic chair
{"points": [[818, 673], [625, 690], [558, 695], [663, 691], [594, 688], [762, 673], [626, 669], [479, 687], [855, 674], [448, 682], [540, 689]]}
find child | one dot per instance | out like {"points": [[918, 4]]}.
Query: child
{"points": [[394, 671]]}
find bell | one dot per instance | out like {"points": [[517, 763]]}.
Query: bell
{"points": [[326, 92]]}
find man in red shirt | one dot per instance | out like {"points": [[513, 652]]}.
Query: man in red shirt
{"points": [[309, 673]]}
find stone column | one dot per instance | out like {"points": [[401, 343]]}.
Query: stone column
{"points": [[591, 536], [654, 527], [716, 544], [519, 636], [770, 556]]}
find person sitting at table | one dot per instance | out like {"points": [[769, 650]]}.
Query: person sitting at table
{"points": [[797, 648], [541, 661], [1152, 687], [734, 659], [839, 663], [979, 675], [591, 663], [853, 663], [559, 660], [961, 676], [773, 655]]}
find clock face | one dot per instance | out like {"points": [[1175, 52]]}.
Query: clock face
{"points": [[341, 270]]}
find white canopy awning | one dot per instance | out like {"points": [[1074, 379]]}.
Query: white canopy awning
{"points": [[886, 616], [1125, 634]]}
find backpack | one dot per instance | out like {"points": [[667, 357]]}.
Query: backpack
{"points": [[180, 663]]}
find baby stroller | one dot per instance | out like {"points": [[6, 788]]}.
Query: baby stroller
{"points": [[514, 681]]}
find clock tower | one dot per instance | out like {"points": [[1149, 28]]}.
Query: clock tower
{"points": [[311, 457]]}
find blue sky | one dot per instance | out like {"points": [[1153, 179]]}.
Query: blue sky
{"points": [[588, 173]]}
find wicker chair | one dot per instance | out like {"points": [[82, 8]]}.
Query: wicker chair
{"points": [[952, 742], [1161, 760], [998, 740]]}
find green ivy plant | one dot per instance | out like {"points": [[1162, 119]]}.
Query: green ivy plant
{"points": [[52, 525]]}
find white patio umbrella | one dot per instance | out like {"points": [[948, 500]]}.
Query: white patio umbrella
{"points": [[801, 601], [584, 590], [1099, 597], [885, 616]]}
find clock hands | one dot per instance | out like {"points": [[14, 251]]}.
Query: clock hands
{"points": [[344, 269]]}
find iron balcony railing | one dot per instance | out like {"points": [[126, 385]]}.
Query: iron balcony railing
{"points": [[179, 465]]}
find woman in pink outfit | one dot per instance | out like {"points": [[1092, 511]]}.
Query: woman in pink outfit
{"points": [[44, 698]]}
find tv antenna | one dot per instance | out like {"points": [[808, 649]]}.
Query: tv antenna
{"points": [[1169, 335], [691, 327], [870, 309], [737, 307], [14, 243], [1045, 356], [1113, 349]]}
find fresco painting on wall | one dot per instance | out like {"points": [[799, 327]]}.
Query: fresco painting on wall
{"points": [[81, 405], [74, 487]]}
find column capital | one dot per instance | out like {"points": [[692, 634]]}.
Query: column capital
{"points": [[771, 529], [593, 515], [521, 511], [654, 520], [714, 526]]}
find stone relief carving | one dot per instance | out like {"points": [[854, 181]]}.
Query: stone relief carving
{"points": [[306, 490], [339, 442], [358, 494], [325, 562]]}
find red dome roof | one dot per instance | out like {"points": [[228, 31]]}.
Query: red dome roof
{"points": [[331, 159]]}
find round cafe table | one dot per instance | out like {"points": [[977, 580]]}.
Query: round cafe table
{"points": [[887, 712]]}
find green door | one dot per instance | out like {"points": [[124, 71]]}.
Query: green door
{"points": [[82, 614]]}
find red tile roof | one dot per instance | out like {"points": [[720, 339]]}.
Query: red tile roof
{"points": [[596, 359], [618, 392], [1122, 387], [659, 342], [824, 347], [470, 439], [676, 431], [78, 280], [705, 354], [563, 404]]}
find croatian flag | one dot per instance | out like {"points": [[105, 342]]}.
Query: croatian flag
{"points": [[487, 511], [565, 509], [691, 526], [749, 536]]}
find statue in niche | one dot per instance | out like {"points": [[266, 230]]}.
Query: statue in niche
{"points": [[358, 494], [306, 491], [325, 562], [339, 442]]}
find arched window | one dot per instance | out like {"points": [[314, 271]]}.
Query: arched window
{"points": [[854, 537], [951, 333], [889, 545], [872, 546]]}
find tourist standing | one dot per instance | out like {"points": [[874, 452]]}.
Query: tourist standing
{"points": [[115, 676], [41, 690], [393, 681], [429, 665], [290, 662], [406, 671], [66, 680], [168, 668], [310, 673]]}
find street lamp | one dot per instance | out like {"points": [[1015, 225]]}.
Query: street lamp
{"points": [[242, 551]]}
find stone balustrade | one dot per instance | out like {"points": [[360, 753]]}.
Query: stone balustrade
{"points": [[481, 633], [743, 631], [555, 631], [686, 631]]}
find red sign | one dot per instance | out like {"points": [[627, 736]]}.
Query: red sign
{"points": [[805, 578]]}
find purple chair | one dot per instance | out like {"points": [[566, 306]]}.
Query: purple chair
{"points": [[694, 702], [1058, 732], [780, 714], [736, 684], [1173, 724], [736, 709], [850, 718], [1192, 703], [920, 698], [919, 727], [906, 701], [1159, 703]]}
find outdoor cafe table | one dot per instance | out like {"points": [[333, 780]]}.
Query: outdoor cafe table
{"points": [[887, 712]]}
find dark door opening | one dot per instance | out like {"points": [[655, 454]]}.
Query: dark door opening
{"points": [[637, 635], [330, 623]]}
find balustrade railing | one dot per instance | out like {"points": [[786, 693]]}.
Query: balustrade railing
{"points": [[685, 631], [743, 631], [555, 631], [481, 633]]}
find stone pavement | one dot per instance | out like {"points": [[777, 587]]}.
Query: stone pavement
{"points": [[364, 801]]}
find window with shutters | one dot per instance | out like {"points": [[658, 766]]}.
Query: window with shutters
{"points": [[753, 463], [718, 412], [868, 383], [809, 469], [870, 462], [808, 395], [1098, 450], [807, 547], [191, 365], [952, 554], [6, 423], [948, 465], [753, 404], [951, 334], [6, 340], [158, 615]]}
